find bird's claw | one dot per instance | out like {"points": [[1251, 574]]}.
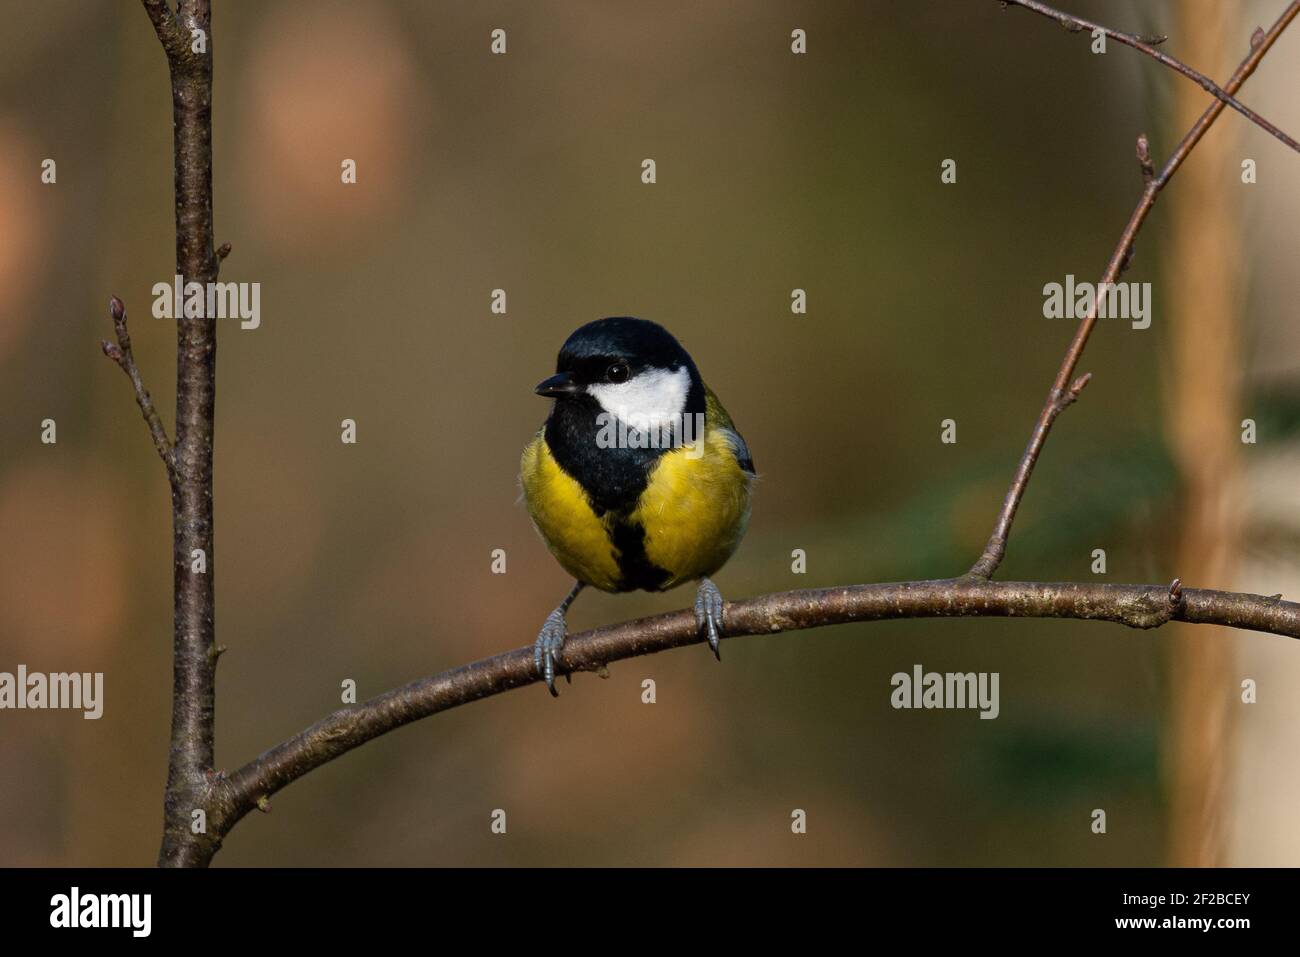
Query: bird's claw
{"points": [[546, 650], [708, 614]]}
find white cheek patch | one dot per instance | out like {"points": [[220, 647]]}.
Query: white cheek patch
{"points": [[653, 399]]}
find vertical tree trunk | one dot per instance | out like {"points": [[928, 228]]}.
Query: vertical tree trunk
{"points": [[194, 648], [1204, 308]]}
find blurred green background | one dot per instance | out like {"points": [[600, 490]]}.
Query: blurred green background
{"points": [[522, 172]]}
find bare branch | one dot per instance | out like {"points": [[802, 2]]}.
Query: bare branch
{"points": [[167, 26], [1138, 606], [996, 548], [1147, 45], [122, 355], [194, 651]]}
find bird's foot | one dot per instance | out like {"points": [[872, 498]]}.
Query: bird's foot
{"points": [[708, 614], [546, 650]]}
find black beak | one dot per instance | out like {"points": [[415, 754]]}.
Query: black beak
{"points": [[558, 386]]}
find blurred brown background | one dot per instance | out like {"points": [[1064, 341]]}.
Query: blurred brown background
{"points": [[775, 171]]}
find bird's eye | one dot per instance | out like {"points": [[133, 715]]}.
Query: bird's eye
{"points": [[617, 372]]}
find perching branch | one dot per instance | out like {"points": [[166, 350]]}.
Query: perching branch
{"points": [[1062, 393], [1147, 45], [192, 784], [1138, 606], [122, 355]]}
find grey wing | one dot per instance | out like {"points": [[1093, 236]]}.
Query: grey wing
{"points": [[741, 449]]}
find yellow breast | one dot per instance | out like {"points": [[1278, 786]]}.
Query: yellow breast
{"points": [[693, 511], [564, 517]]}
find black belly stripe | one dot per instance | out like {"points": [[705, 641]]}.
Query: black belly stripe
{"points": [[636, 569], [613, 480]]}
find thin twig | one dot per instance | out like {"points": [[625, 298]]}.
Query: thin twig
{"points": [[122, 355], [996, 548], [1147, 45]]}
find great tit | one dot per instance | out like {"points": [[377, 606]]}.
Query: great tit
{"points": [[638, 479]]}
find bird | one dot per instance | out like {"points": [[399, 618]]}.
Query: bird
{"points": [[638, 478]]}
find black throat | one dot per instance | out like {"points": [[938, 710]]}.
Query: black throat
{"points": [[613, 477]]}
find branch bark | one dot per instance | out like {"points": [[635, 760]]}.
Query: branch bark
{"points": [[1062, 393], [186, 38], [1138, 606]]}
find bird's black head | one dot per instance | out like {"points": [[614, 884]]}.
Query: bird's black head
{"points": [[630, 368], [625, 392]]}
